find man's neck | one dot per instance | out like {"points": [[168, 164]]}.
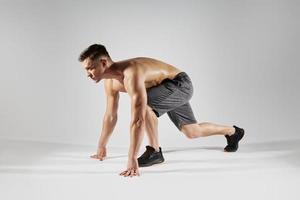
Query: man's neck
{"points": [[113, 71]]}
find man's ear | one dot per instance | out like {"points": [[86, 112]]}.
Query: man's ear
{"points": [[103, 61]]}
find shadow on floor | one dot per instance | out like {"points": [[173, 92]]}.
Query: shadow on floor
{"points": [[23, 157], [248, 148], [290, 150]]}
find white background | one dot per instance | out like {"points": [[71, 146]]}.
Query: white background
{"points": [[243, 59], [242, 56]]}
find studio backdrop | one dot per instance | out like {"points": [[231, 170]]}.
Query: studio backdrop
{"points": [[242, 56]]}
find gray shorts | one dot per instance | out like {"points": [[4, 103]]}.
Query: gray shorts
{"points": [[172, 96]]}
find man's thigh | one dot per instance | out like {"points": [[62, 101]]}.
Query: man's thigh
{"points": [[182, 115], [170, 94]]}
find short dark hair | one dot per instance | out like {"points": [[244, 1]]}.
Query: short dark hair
{"points": [[93, 52]]}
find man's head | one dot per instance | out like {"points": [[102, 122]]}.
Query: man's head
{"points": [[95, 60]]}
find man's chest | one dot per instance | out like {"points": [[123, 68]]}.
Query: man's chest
{"points": [[118, 86]]}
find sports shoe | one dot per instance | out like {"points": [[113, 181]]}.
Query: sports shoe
{"points": [[150, 157], [233, 140]]}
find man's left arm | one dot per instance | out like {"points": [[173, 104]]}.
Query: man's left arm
{"points": [[135, 87]]}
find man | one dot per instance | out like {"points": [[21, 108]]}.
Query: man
{"points": [[154, 88]]}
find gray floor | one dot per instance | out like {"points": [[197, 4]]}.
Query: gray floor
{"points": [[37, 170]]}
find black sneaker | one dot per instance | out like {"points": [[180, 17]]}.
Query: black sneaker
{"points": [[150, 157], [233, 140]]}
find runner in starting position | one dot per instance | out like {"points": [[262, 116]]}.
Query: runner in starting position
{"points": [[155, 88]]}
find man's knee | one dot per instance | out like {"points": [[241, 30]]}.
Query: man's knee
{"points": [[150, 113], [193, 130], [188, 131]]}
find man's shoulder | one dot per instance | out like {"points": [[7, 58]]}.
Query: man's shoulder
{"points": [[133, 73], [135, 68]]}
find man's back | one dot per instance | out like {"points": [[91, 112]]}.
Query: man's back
{"points": [[152, 70]]}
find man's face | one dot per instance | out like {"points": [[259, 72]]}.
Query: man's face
{"points": [[95, 68]]}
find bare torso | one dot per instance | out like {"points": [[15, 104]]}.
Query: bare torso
{"points": [[153, 71]]}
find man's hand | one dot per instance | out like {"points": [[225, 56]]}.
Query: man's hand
{"points": [[101, 153], [132, 169]]}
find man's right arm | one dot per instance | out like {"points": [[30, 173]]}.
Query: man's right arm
{"points": [[109, 119]]}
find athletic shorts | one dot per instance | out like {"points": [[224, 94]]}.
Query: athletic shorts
{"points": [[172, 96]]}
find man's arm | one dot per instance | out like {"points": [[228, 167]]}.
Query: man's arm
{"points": [[109, 119], [135, 87]]}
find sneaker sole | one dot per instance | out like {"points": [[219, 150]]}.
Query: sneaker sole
{"points": [[152, 163]]}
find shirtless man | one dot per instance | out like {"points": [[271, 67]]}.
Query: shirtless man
{"points": [[154, 88]]}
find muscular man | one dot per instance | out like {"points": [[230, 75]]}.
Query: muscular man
{"points": [[154, 88]]}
